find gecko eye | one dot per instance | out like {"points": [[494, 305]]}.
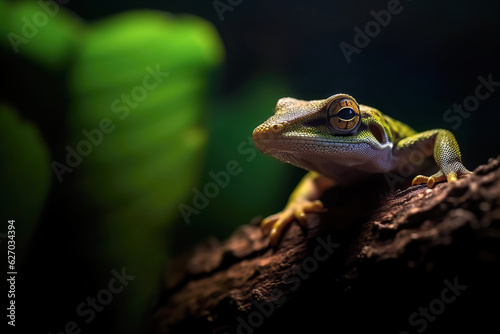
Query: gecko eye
{"points": [[343, 116]]}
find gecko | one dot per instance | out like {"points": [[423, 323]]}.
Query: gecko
{"points": [[341, 142]]}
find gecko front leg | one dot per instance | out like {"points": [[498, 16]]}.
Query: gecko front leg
{"points": [[444, 147], [303, 200]]}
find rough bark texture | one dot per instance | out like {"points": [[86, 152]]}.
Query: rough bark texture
{"points": [[410, 261]]}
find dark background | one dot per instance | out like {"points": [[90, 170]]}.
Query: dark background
{"points": [[426, 60]]}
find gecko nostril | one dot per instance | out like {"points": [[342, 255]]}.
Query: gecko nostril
{"points": [[276, 128]]}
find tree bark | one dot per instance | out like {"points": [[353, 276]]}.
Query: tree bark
{"points": [[408, 261]]}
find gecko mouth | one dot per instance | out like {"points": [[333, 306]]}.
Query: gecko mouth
{"points": [[270, 143], [284, 145], [378, 133]]}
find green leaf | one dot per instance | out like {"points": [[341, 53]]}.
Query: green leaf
{"points": [[139, 85]]}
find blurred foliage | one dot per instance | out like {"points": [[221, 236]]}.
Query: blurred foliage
{"points": [[147, 73], [139, 108], [24, 175], [41, 31], [129, 162]]}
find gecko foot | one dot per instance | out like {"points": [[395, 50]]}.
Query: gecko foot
{"points": [[297, 210], [440, 176]]}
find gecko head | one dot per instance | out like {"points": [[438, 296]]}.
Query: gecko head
{"points": [[333, 128]]}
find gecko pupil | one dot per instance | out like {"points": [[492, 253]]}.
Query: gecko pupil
{"points": [[346, 114]]}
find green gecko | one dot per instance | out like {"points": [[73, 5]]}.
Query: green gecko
{"points": [[341, 142]]}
